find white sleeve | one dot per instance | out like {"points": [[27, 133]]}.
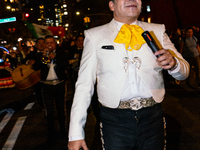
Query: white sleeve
{"points": [[84, 89]]}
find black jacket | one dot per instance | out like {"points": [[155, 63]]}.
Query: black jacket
{"points": [[60, 66]]}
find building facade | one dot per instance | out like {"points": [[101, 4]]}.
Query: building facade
{"points": [[173, 13]]}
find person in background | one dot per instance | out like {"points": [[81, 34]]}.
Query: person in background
{"points": [[23, 49], [52, 65], [30, 60], [75, 54], [177, 38], [39, 48], [190, 50], [130, 84]]}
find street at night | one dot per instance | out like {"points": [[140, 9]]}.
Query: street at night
{"points": [[50, 50], [23, 124]]}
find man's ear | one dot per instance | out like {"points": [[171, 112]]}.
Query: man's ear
{"points": [[111, 5]]}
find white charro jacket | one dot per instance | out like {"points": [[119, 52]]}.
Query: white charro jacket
{"points": [[106, 67]]}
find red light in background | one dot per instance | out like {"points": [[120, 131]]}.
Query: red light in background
{"points": [[26, 15]]}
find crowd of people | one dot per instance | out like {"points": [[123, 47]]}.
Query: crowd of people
{"points": [[187, 43], [63, 61], [56, 63]]}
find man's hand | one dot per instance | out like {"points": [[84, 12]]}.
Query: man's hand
{"points": [[76, 145], [166, 61], [46, 51], [52, 55]]}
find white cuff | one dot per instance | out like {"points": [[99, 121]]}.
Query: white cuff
{"points": [[75, 138], [176, 68]]}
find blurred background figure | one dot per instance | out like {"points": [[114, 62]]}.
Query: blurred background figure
{"points": [[5, 71], [75, 54], [177, 38], [52, 65], [23, 49], [30, 60], [189, 48]]}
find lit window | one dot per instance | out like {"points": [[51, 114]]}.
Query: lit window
{"points": [[16, 1], [148, 8], [64, 5], [66, 25], [12, 9], [12, 1], [65, 13], [5, 0], [57, 24], [149, 19], [66, 29], [142, 19]]}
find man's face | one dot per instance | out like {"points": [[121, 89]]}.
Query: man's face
{"points": [[50, 44], [40, 45], [126, 11], [79, 42], [189, 33]]}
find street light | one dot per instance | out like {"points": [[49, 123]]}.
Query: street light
{"points": [[86, 18], [78, 13], [8, 7]]}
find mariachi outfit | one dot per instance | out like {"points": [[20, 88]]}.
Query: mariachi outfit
{"points": [[53, 89]]}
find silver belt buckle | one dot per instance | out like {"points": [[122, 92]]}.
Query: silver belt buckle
{"points": [[135, 104], [54, 82]]}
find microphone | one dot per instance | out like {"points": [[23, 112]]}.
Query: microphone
{"points": [[150, 42]]}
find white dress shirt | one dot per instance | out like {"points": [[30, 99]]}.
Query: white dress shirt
{"points": [[52, 74], [134, 86]]}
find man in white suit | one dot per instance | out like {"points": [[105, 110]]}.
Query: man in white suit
{"points": [[130, 85]]}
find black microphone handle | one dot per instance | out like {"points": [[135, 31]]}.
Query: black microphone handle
{"points": [[150, 42], [154, 48]]}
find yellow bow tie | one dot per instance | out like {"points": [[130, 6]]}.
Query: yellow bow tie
{"points": [[131, 36]]}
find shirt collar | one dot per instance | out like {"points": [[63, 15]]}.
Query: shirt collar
{"points": [[119, 24]]}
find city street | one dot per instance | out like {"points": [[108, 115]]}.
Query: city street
{"points": [[23, 124]]}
